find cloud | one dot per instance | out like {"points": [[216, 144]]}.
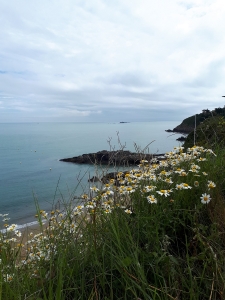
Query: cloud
{"points": [[102, 60]]}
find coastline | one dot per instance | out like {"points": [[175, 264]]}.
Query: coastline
{"points": [[28, 155]]}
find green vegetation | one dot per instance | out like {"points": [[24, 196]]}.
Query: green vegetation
{"points": [[188, 124], [210, 133], [156, 232]]}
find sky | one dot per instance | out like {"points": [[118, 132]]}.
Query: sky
{"points": [[110, 60]]}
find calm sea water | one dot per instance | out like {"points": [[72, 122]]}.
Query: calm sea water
{"points": [[30, 167]]}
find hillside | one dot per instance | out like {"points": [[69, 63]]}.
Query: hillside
{"points": [[188, 124]]}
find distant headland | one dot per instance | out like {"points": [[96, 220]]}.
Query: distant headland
{"points": [[188, 124]]}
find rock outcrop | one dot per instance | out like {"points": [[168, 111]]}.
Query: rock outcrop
{"points": [[118, 158]]}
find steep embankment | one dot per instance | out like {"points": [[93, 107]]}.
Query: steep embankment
{"points": [[209, 134]]}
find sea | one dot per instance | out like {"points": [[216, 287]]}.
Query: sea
{"points": [[33, 177]]}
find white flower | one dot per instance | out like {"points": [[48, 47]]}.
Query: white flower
{"points": [[18, 233], [8, 277], [201, 159], [179, 186], [196, 183], [205, 198], [5, 219], [186, 186], [94, 189], [150, 188], [12, 227], [164, 192], [211, 184], [151, 199], [128, 211], [168, 180]]}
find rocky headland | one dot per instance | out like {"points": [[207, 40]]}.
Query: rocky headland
{"points": [[119, 158], [182, 128]]}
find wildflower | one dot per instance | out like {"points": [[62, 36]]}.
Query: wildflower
{"points": [[90, 204], [73, 227], [144, 161], [205, 198], [179, 170], [211, 185], [12, 227], [18, 233], [204, 173], [210, 151], [129, 190], [13, 240], [179, 186], [94, 189], [107, 193], [128, 211], [168, 180], [151, 199], [196, 184], [5, 219], [8, 277], [183, 174], [201, 159], [186, 186], [194, 168], [44, 215], [4, 215], [164, 192], [163, 172], [107, 186], [150, 188], [163, 163]]}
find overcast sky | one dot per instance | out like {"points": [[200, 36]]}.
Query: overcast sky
{"points": [[110, 60]]}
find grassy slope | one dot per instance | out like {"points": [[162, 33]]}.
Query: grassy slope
{"points": [[122, 246]]}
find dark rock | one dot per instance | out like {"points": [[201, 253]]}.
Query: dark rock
{"points": [[118, 158], [181, 139], [169, 130], [183, 129], [94, 179]]}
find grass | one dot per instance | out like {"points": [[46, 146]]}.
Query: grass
{"points": [[156, 232]]}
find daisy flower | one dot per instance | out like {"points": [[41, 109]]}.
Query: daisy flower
{"points": [[205, 198], [211, 184], [94, 189], [186, 186], [201, 159], [179, 186], [164, 192], [151, 199], [150, 188]]}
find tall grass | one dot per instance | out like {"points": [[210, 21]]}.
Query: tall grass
{"points": [[154, 232]]}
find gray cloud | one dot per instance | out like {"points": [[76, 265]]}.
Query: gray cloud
{"points": [[110, 60]]}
